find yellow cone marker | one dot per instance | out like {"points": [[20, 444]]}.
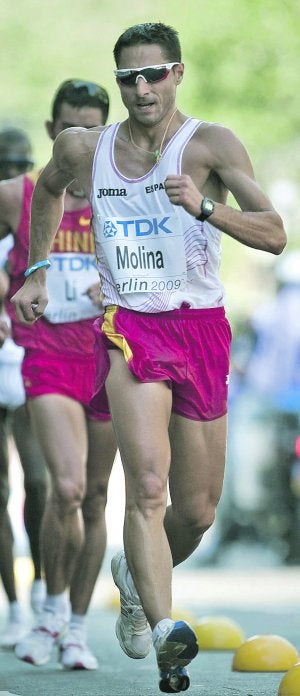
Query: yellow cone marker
{"points": [[290, 683], [265, 653], [113, 601], [179, 614], [218, 633]]}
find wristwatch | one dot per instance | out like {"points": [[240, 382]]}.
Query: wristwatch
{"points": [[207, 208]]}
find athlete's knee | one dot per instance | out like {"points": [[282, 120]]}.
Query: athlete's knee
{"points": [[197, 516], [198, 523], [94, 503], [150, 492], [67, 494]]}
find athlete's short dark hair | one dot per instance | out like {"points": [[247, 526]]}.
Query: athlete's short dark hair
{"points": [[150, 33], [79, 93]]}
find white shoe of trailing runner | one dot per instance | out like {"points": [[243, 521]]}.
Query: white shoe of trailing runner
{"points": [[13, 632], [74, 652], [36, 647], [132, 628]]}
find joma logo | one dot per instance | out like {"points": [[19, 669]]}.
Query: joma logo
{"points": [[103, 192]]}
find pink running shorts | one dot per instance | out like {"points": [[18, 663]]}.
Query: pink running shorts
{"points": [[187, 348], [71, 376]]}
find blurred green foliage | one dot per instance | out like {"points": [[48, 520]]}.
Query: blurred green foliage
{"points": [[242, 58], [246, 69], [242, 62]]}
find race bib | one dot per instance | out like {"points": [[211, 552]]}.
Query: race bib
{"points": [[68, 279], [144, 254]]}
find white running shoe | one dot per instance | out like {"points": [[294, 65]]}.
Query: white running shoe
{"points": [[132, 629], [36, 647], [175, 644], [14, 631], [37, 595], [74, 652]]}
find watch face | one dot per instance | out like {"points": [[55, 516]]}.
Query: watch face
{"points": [[208, 207]]}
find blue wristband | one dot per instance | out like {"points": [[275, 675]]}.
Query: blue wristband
{"points": [[39, 264]]}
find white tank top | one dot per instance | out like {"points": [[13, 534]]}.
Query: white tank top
{"points": [[152, 256]]}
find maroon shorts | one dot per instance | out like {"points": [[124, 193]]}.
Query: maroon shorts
{"points": [[187, 348], [71, 376]]}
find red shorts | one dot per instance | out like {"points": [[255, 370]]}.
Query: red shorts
{"points": [[187, 348], [72, 376]]}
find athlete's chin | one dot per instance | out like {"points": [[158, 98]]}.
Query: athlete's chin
{"points": [[146, 114]]}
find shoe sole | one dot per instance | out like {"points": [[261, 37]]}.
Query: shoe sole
{"points": [[180, 647], [175, 681]]}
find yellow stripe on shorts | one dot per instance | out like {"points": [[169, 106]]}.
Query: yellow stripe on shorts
{"points": [[109, 329]]}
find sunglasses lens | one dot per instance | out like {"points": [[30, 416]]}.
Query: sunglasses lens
{"points": [[149, 74], [128, 79], [155, 74]]}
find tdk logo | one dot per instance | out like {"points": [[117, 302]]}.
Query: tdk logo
{"points": [[139, 227], [109, 229]]}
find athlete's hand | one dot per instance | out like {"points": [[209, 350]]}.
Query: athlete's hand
{"points": [[4, 331], [93, 292], [182, 191], [31, 299]]}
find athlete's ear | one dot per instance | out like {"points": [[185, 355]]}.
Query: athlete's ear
{"points": [[49, 125], [179, 72]]}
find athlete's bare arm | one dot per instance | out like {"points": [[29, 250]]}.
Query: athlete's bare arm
{"points": [[72, 159], [225, 166]]}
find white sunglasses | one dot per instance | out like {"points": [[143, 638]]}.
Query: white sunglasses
{"points": [[151, 73]]}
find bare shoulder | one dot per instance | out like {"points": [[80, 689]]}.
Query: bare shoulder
{"points": [[213, 134], [74, 143], [219, 145]]}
